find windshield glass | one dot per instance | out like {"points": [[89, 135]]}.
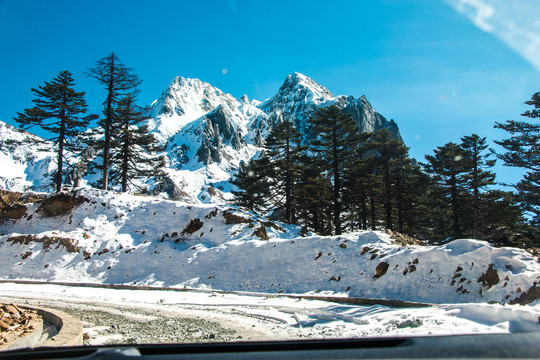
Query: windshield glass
{"points": [[216, 171]]}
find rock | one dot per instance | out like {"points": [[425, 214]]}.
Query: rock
{"points": [[528, 297], [273, 226], [60, 204], [261, 233], [71, 245], [231, 218], [168, 186], [490, 277], [381, 269], [194, 225]]}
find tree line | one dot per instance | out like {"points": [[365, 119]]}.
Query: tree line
{"points": [[344, 180], [119, 148]]}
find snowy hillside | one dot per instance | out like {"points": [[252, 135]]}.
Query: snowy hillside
{"points": [[23, 162], [102, 237]]}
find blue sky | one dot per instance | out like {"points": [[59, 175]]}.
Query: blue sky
{"points": [[439, 73]]}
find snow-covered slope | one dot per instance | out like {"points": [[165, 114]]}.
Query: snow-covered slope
{"points": [[126, 239], [26, 161]]}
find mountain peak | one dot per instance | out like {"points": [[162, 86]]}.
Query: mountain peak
{"points": [[297, 94], [301, 81]]}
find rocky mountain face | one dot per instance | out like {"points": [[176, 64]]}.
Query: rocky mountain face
{"points": [[207, 134]]}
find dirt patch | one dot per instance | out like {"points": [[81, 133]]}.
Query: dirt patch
{"points": [[15, 323], [381, 269], [231, 218], [273, 226], [404, 240], [60, 204], [194, 225], [490, 277], [529, 296], [71, 245], [13, 204], [261, 232]]}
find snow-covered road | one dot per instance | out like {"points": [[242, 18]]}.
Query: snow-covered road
{"points": [[165, 316]]}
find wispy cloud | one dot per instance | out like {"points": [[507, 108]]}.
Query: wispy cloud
{"points": [[514, 22]]}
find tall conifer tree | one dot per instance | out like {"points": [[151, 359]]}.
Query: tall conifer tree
{"points": [[447, 167], [118, 81], [284, 150], [523, 150], [477, 178], [337, 136], [58, 109], [136, 149]]}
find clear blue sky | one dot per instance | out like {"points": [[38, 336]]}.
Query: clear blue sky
{"points": [[422, 63]]}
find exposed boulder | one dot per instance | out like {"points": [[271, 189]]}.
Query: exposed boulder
{"points": [[261, 232], [194, 225], [490, 277], [60, 204], [231, 218], [168, 186], [381, 269], [13, 205]]}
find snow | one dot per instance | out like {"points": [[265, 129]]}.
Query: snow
{"points": [[23, 164], [143, 240], [271, 318]]}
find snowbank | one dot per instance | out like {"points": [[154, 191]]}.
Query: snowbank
{"points": [[128, 239]]}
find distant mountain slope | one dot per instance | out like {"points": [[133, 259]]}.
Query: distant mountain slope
{"points": [[206, 134], [24, 164], [127, 239]]}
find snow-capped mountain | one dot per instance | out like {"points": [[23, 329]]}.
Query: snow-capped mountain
{"points": [[206, 134]]}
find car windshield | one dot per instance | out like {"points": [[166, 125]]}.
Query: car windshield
{"points": [[233, 170]]}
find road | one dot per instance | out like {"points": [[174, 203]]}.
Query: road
{"points": [[120, 316]]}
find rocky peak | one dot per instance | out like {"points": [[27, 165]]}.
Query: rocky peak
{"points": [[298, 88], [296, 100], [184, 101]]}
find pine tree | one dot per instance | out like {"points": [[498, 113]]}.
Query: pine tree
{"points": [[447, 167], [136, 153], [392, 163], [476, 178], [252, 180], [337, 136], [501, 219], [57, 109], [118, 81], [358, 185], [523, 150], [314, 196], [283, 149]]}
